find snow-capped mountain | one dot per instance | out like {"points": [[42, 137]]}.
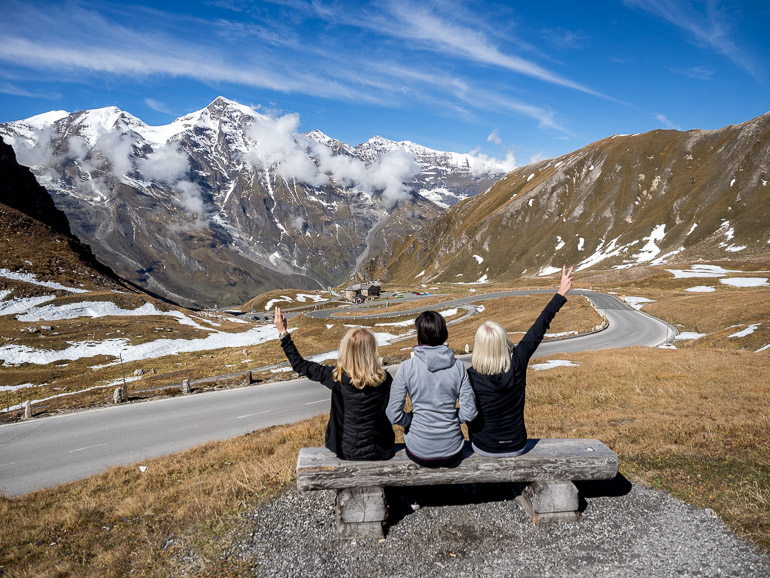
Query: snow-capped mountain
{"points": [[625, 201], [225, 202], [445, 178]]}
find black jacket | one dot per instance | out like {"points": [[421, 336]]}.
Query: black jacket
{"points": [[358, 428], [499, 426]]}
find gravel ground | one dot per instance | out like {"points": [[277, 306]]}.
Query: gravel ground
{"points": [[627, 530]]}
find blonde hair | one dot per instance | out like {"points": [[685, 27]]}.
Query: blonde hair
{"points": [[491, 349], [359, 358]]}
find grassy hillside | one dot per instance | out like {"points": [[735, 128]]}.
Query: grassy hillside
{"points": [[658, 197]]}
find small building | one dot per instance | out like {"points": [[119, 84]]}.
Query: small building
{"points": [[362, 291]]}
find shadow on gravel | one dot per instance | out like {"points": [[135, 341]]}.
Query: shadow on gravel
{"points": [[403, 501], [616, 487]]}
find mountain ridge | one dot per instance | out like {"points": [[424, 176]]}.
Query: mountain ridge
{"points": [[626, 200], [224, 203]]}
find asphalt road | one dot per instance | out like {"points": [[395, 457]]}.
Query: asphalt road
{"points": [[49, 451]]}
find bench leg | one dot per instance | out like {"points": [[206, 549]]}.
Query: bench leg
{"points": [[550, 502], [361, 512]]}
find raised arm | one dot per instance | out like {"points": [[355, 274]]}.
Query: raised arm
{"points": [[310, 369], [534, 337]]}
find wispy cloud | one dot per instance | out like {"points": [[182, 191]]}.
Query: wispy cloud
{"points": [[663, 120], [157, 105], [707, 22], [438, 88], [436, 31], [697, 72], [8, 88], [494, 137], [77, 43], [563, 39], [77, 40]]}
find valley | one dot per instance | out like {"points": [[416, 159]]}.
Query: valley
{"points": [[72, 329]]}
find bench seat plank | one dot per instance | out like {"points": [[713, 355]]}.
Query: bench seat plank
{"points": [[545, 459]]}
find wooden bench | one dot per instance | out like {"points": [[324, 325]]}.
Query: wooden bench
{"points": [[548, 467]]}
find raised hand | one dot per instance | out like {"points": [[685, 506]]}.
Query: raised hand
{"points": [[566, 280], [280, 322]]}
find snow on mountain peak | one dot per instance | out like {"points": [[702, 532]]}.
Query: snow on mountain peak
{"points": [[225, 105], [44, 119], [96, 122], [321, 137]]}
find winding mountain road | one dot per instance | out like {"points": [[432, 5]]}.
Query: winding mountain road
{"points": [[49, 451]]}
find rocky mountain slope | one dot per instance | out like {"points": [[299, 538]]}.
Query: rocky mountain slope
{"points": [[654, 198], [35, 238], [67, 322], [225, 203]]}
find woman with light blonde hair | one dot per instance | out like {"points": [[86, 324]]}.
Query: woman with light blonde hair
{"points": [[358, 428], [499, 380]]}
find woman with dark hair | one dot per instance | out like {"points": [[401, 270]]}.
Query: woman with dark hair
{"points": [[499, 380], [434, 380], [358, 428]]}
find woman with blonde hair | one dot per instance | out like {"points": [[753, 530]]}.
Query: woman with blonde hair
{"points": [[358, 428], [499, 380]]}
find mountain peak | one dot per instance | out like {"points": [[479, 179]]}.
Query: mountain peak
{"points": [[220, 104], [46, 118]]}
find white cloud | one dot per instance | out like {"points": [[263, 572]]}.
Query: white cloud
{"points": [[710, 27], [437, 32], [39, 152], [697, 72], [662, 119], [95, 42], [275, 143], [390, 173], [115, 151], [157, 105], [8, 88], [278, 144], [167, 164], [190, 198], [481, 163], [494, 137]]}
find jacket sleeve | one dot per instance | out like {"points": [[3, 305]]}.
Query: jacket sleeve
{"points": [[467, 411], [395, 410], [532, 339], [310, 369]]}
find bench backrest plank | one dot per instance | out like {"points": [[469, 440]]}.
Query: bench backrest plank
{"points": [[545, 459]]}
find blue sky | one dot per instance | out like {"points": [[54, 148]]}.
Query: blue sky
{"points": [[532, 79]]}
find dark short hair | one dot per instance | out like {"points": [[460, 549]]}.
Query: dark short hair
{"points": [[431, 328]]}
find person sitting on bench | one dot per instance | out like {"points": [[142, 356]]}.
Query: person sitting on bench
{"points": [[434, 380], [499, 379], [358, 428]]}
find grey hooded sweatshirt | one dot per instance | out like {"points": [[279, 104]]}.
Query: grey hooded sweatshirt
{"points": [[434, 380]]}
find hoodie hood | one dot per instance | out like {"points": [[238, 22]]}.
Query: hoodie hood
{"points": [[436, 357]]}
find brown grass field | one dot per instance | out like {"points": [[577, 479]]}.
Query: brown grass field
{"points": [[693, 421], [78, 378]]}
